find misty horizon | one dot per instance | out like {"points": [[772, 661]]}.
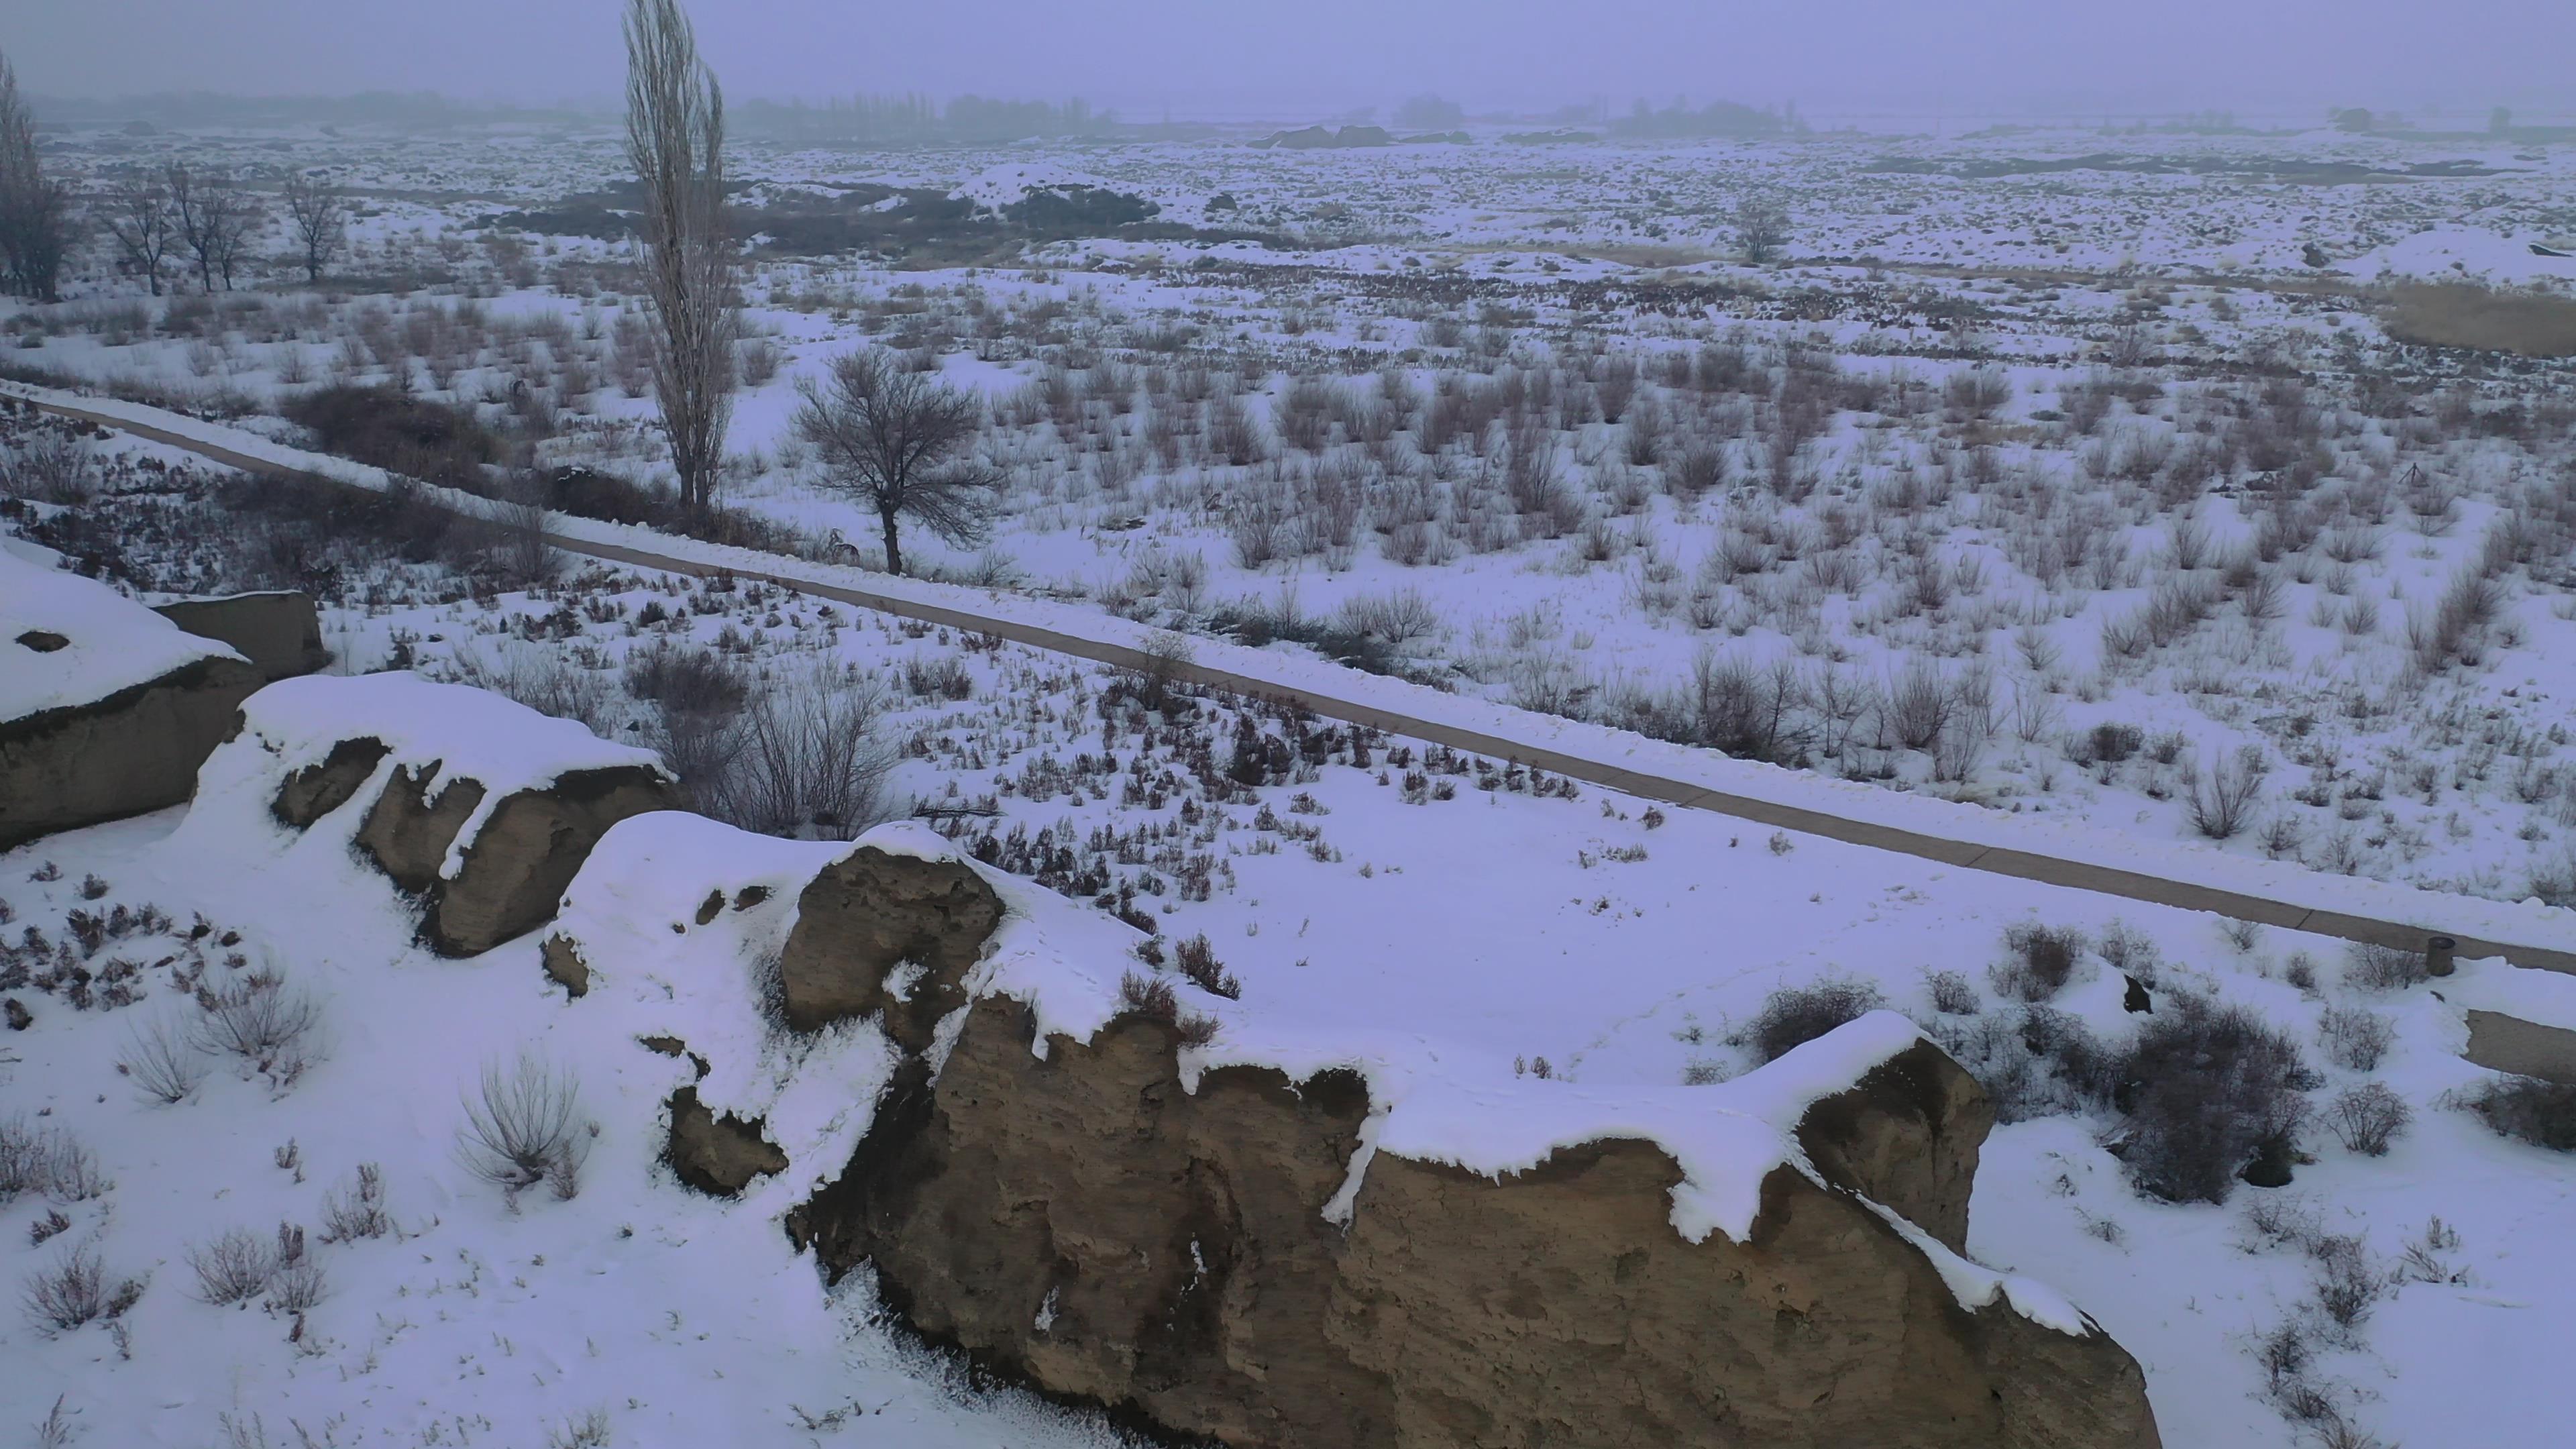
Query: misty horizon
{"points": [[1150, 60]]}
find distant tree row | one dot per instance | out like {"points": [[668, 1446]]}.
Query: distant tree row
{"points": [[181, 218], [1717, 118], [917, 118]]}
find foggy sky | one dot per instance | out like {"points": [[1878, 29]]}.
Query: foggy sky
{"points": [[1287, 57]]}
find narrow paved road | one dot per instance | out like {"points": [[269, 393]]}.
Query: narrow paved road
{"points": [[2024, 865]]}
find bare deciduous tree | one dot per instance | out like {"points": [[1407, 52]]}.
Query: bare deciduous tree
{"points": [[891, 439], [320, 219], [215, 219], [139, 216], [35, 214], [1761, 227], [675, 140]]}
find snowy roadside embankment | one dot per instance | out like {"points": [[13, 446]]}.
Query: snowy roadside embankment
{"points": [[2169, 872]]}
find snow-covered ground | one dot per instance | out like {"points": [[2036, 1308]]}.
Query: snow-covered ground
{"points": [[2030, 436], [1525, 948], [2040, 405]]}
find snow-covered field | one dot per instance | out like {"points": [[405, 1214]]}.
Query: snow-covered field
{"points": [[2062, 473], [2076, 491]]}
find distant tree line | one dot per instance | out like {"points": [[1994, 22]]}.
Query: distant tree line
{"points": [[917, 119], [1717, 118]]}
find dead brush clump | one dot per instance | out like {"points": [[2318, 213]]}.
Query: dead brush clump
{"points": [[1153, 998], [2526, 1109], [2465, 314], [525, 1128], [77, 1289], [1196, 960], [2042, 959], [2209, 1091], [1795, 1015]]}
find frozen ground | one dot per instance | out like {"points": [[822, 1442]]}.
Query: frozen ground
{"points": [[1971, 436], [1522, 947], [2060, 472]]}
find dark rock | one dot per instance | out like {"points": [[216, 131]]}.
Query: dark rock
{"points": [[133, 751], [280, 632], [870, 912], [716, 1155], [1082, 1223]]}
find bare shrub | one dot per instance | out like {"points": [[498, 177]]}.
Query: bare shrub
{"points": [[2423, 1261], [527, 556], [2033, 1061], [70, 1293], [2367, 1118], [1397, 617], [2222, 796], [1795, 1015], [48, 467], [545, 680], [357, 1211], [590, 1431], [301, 1284], [2348, 1281], [760, 362], [2466, 314], [2355, 1038], [2209, 1090], [2374, 967], [944, 677], [1918, 706], [2284, 1355], [259, 1018], [235, 1267], [1150, 997], [47, 1160], [1952, 994], [525, 1128], [1196, 960], [2526, 1109], [685, 678], [809, 758], [164, 1065], [2452, 630], [2043, 957]]}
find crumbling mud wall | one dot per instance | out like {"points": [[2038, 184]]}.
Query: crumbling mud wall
{"points": [[419, 764], [521, 858]]}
